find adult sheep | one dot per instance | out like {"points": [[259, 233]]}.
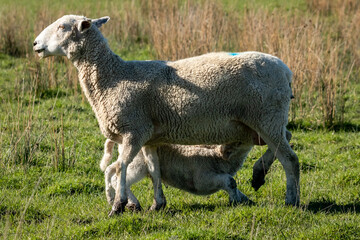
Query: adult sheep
{"points": [[199, 100]]}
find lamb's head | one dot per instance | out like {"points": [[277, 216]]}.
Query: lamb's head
{"points": [[234, 150], [56, 39]]}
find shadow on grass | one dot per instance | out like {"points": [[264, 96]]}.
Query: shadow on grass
{"points": [[204, 207], [331, 207], [190, 207]]}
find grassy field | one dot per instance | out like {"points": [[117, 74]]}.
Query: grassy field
{"points": [[50, 144]]}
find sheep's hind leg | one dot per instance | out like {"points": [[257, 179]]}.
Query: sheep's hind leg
{"points": [[262, 166], [277, 142], [153, 165]]}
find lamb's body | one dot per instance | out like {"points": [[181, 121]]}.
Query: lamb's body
{"points": [[199, 100], [196, 169]]}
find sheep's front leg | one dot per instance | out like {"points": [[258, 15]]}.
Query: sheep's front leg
{"points": [[153, 165], [130, 149]]}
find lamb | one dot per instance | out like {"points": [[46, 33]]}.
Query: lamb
{"points": [[192, 163], [200, 170], [198, 100]]}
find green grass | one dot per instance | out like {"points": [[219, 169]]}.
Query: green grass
{"points": [[51, 186], [40, 201]]}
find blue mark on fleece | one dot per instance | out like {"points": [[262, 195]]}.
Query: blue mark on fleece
{"points": [[233, 54]]}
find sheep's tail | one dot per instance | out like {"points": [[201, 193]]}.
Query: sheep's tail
{"points": [[289, 76], [108, 150]]}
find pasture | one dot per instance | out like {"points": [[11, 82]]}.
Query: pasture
{"points": [[51, 186]]}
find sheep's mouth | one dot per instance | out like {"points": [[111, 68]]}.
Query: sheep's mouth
{"points": [[40, 50]]}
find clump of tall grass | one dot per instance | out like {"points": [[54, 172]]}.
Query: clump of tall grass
{"points": [[334, 6], [14, 32], [190, 29], [19, 124]]}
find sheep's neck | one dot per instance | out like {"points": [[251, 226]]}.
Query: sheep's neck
{"points": [[95, 67]]}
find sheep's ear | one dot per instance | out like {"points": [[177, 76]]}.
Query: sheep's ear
{"points": [[100, 21], [84, 25]]}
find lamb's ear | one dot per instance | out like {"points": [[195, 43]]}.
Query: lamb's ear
{"points": [[100, 21], [84, 25]]}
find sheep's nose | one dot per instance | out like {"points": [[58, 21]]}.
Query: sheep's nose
{"points": [[35, 43]]}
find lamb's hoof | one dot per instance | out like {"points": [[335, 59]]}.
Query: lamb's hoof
{"points": [[118, 208], [134, 207], [258, 180], [247, 202]]}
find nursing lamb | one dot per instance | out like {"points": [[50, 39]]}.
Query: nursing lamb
{"points": [[138, 169], [200, 170], [198, 100]]}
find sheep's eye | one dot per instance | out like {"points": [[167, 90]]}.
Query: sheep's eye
{"points": [[61, 27]]}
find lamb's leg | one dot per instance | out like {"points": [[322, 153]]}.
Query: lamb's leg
{"points": [[211, 181], [277, 142], [262, 166], [153, 166], [109, 183], [235, 196], [108, 150]]}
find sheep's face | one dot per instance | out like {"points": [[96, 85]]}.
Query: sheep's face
{"points": [[55, 39]]}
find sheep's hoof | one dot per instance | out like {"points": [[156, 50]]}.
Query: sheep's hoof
{"points": [[118, 208], [157, 206], [293, 203], [258, 180], [134, 207]]}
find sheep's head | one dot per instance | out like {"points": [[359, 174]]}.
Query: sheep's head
{"points": [[54, 40], [227, 150]]}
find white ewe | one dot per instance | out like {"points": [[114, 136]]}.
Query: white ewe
{"points": [[199, 100]]}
